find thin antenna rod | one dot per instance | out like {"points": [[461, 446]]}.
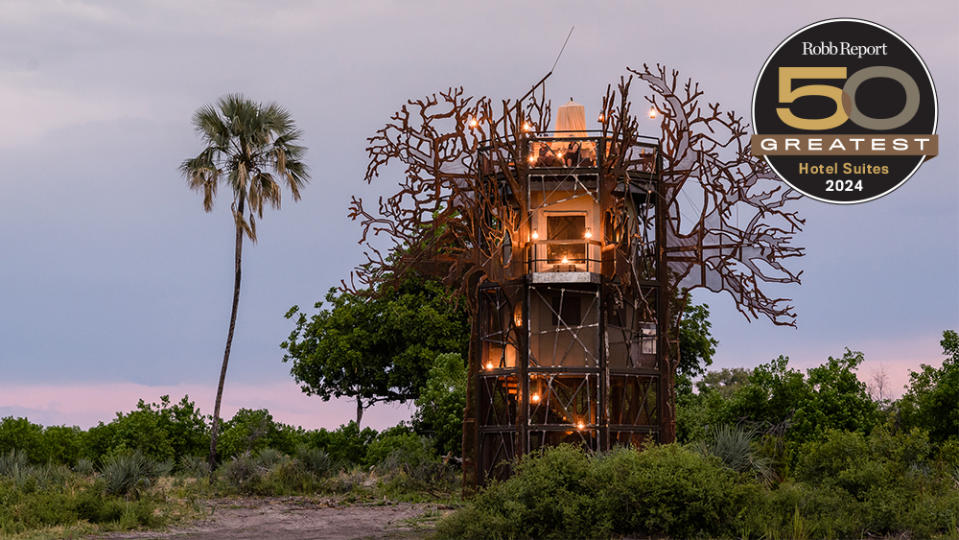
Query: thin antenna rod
{"points": [[558, 56], [571, 28]]}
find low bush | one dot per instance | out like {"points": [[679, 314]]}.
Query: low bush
{"points": [[563, 492], [346, 445], [13, 462], [734, 446], [848, 486], [240, 473], [268, 458], [68, 501], [389, 441], [412, 466], [670, 490], [316, 461], [194, 466], [84, 466], [271, 473], [128, 474]]}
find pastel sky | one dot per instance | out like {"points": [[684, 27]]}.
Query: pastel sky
{"points": [[115, 285]]}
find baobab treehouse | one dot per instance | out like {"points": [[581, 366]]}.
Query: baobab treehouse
{"points": [[575, 240]]}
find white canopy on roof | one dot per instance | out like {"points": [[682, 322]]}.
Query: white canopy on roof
{"points": [[571, 118]]}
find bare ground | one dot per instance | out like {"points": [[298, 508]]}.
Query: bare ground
{"points": [[301, 518]]}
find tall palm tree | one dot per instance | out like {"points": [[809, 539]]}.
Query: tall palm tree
{"points": [[251, 148]]}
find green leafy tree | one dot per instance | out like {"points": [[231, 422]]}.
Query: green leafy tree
{"points": [[254, 430], [696, 343], [829, 396], [931, 401], [348, 444], [62, 444], [770, 396], [439, 413], [837, 399], [187, 428], [162, 431], [138, 430], [23, 435], [252, 149], [696, 347], [375, 348], [779, 400], [725, 381]]}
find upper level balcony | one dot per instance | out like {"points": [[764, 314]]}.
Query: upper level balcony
{"points": [[563, 152]]}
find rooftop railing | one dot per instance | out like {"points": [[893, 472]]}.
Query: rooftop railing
{"points": [[568, 150]]}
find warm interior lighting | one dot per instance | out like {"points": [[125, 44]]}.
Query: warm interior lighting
{"points": [[535, 235], [534, 398], [532, 158], [652, 112], [588, 234], [559, 155], [565, 260], [580, 425], [489, 365], [601, 118]]}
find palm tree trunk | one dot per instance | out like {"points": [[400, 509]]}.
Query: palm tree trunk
{"points": [[359, 411], [229, 341]]}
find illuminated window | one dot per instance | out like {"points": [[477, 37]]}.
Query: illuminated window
{"points": [[566, 229]]}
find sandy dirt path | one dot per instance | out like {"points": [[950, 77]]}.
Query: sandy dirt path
{"points": [[301, 518]]}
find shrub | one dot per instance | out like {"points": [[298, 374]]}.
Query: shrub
{"points": [[563, 492], [852, 486], [733, 445], [890, 483], [255, 430], [63, 500], [84, 466], [440, 406], [271, 473], [22, 435], [346, 445], [140, 431], [268, 457], [931, 401], [240, 473], [30, 478], [802, 407], [285, 477], [670, 490], [797, 510], [12, 462], [315, 460], [413, 466], [161, 431], [61, 444], [386, 442], [194, 466], [129, 473], [94, 508]]}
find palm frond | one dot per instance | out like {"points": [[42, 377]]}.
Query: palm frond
{"points": [[249, 147]]}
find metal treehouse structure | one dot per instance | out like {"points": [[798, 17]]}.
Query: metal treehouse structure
{"points": [[575, 250]]}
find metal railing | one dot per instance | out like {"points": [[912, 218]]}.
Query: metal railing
{"points": [[579, 257], [567, 150]]}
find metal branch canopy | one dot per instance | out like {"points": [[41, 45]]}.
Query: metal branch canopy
{"points": [[575, 250]]}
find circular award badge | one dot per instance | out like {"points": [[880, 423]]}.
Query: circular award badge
{"points": [[844, 111]]}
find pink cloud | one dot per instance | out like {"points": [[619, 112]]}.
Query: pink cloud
{"points": [[84, 404]]}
